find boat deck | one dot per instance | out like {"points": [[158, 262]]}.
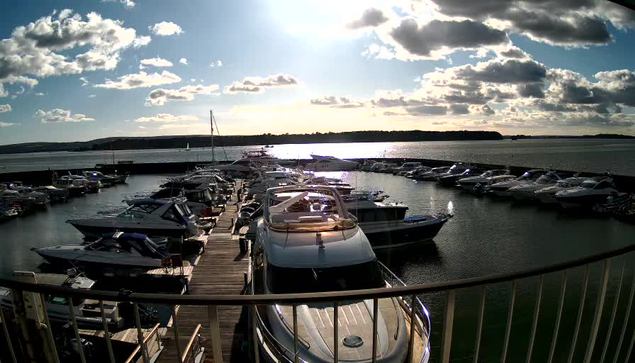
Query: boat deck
{"points": [[220, 270]]}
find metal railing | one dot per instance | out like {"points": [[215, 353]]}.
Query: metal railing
{"points": [[618, 338]]}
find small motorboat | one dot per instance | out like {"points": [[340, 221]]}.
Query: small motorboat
{"points": [[485, 179], [405, 232], [56, 195], [370, 211], [342, 187], [406, 167], [431, 174], [22, 203], [547, 195], [41, 199], [114, 254], [450, 179], [7, 212], [588, 194], [501, 189], [118, 315], [415, 172], [152, 217], [75, 185], [105, 180]]}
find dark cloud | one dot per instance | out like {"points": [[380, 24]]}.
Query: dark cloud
{"points": [[486, 110], [473, 98], [508, 71], [423, 40], [513, 52], [459, 109], [529, 90], [580, 30], [568, 22], [370, 17], [427, 110]]}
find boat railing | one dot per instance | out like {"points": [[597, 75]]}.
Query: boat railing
{"points": [[596, 333]]}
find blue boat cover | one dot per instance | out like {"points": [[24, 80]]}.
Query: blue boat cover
{"points": [[415, 219]]}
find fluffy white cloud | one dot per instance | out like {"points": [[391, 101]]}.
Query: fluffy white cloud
{"points": [[166, 117], [5, 108], [39, 94], [39, 49], [3, 93], [128, 4], [159, 97], [259, 84], [58, 115], [218, 63], [165, 28], [84, 81], [156, 62], [183, 61], [141, 80]]}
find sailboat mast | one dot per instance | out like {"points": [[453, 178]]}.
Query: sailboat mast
{"points": [[211, 122]]}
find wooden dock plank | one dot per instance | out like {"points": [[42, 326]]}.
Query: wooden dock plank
{"points": [[219, 271]]}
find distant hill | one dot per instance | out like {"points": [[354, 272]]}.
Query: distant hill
{"points": [[168, 142]]}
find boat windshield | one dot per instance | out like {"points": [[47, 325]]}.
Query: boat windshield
{"points": [[282, 280], [588, 184], [307, 210], [139, 210], [546, 179]]}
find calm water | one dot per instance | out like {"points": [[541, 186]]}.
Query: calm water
{"points": [[486, 236], [616, 156]]}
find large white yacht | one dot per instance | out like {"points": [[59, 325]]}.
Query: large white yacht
{"points": [[589, 193], [526, 191], [330, 163], [307, 242], [547, 195]]}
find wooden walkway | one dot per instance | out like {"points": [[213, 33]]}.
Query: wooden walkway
{"points": [[220, 270]]}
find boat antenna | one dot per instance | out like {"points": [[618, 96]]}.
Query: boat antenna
{"points": [[211, 123], [218, 133]]}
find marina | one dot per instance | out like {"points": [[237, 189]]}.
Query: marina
{"points": [[317, 181], [455, 250]]}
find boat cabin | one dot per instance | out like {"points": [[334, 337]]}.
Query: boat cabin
{"points": [[302, 209]]}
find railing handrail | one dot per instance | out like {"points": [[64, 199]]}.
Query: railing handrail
{"points": [[224, 300]]}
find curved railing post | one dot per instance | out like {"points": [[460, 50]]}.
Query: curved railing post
{"points": [[448, 324], [554, 339], [626, 318], [613, 313], [479, 326], [5, 327], [534, 325], [510, 317], [576, 331]]}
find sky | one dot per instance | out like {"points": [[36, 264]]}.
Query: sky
{"points": [[80, 70]]}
